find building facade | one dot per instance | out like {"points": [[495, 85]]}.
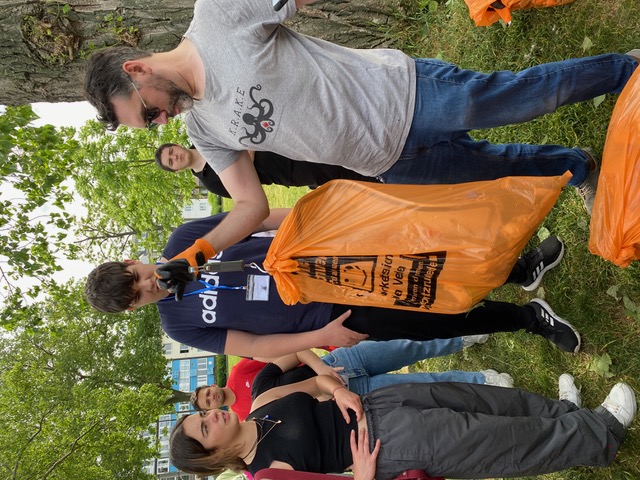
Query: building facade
{"points": [[190, 367]]}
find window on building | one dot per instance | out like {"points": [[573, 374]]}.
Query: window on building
{"points": [[203, 206], [188, 208], [184, 384], [164, 448], [166, 348], [185, 366], [184, 348], [184, 378], [202, 368], [202, 372], [162, 465]]}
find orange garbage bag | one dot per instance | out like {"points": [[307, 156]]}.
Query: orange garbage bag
{"points": [[439, 248], [615, 221], [487, 12]]}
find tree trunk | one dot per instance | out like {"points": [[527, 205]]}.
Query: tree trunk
{"points": [[44, 45], [177, 396]]}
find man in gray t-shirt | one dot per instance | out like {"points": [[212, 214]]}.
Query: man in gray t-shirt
{"points": [[246, 82]]}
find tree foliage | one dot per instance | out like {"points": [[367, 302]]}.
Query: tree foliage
{"points": [[34, 220], [48, 174], [125, 191], [79, 390]]}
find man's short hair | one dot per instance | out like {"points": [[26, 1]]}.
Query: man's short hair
{"points": [[105, 79], [194, 398], [109, 287], [158, 156]]}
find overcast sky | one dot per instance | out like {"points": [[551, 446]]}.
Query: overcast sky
{"points": [[64, 114], [72, 115]]}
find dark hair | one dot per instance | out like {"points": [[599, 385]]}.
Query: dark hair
{"points": [[193, 400], [105, 79], [158, 156], [109, 287], [188, 455]]}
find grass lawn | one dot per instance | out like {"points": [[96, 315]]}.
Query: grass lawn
{"points": [[597, 297], [585, 289]]}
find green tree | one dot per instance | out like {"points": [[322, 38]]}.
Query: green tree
{"points": [[79, 389], [34, 219], [125, 192], [45, 170]]}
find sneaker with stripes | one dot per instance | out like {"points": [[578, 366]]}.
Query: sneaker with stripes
{"points": [[553, 327], [540, 260]]}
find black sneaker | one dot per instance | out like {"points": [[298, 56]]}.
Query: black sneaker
{"points": [[554, 328], [540, 260]]}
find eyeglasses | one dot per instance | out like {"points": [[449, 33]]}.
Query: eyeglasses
{"points": [[149, 114]]}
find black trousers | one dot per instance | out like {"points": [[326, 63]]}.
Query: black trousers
{"points": [[389, 324], [461, 430]]}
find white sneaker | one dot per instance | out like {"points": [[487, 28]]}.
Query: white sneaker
{"points": [[567, 390], [469, 340], [635, 53], [587, 189], [491, 377], [621, 402]]}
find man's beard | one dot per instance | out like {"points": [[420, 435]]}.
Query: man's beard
{"points": [[177, 97]]}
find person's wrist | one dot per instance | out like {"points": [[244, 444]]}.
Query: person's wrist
{"points": [[333, 393], [206, 248], [197, 254]]}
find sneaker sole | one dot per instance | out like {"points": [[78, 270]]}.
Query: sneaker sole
{"points": [[547, 307], [538, 280]]}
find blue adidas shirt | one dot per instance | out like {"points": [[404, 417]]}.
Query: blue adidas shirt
{"points": [[202, 320]]}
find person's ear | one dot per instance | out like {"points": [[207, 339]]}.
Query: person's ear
{"points": [[134, 68], [132, 308]]}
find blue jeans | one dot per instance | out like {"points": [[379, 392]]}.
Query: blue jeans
{"points": [[450, 102], [367, 363]]}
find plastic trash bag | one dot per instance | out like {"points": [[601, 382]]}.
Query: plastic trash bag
{"points": [[438, 248], [487, 12], [615, 221]]}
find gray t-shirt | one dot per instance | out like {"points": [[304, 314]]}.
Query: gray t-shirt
{"points": [[270, 88]]}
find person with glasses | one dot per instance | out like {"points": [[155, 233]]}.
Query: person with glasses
{"points": [[246, 82], [149, 114]]}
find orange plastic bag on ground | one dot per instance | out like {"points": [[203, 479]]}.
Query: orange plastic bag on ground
{"points": [[487, 12], [615, 223], [438, 248]]}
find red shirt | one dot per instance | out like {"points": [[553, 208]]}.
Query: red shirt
{"points": [[240, 381]]}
